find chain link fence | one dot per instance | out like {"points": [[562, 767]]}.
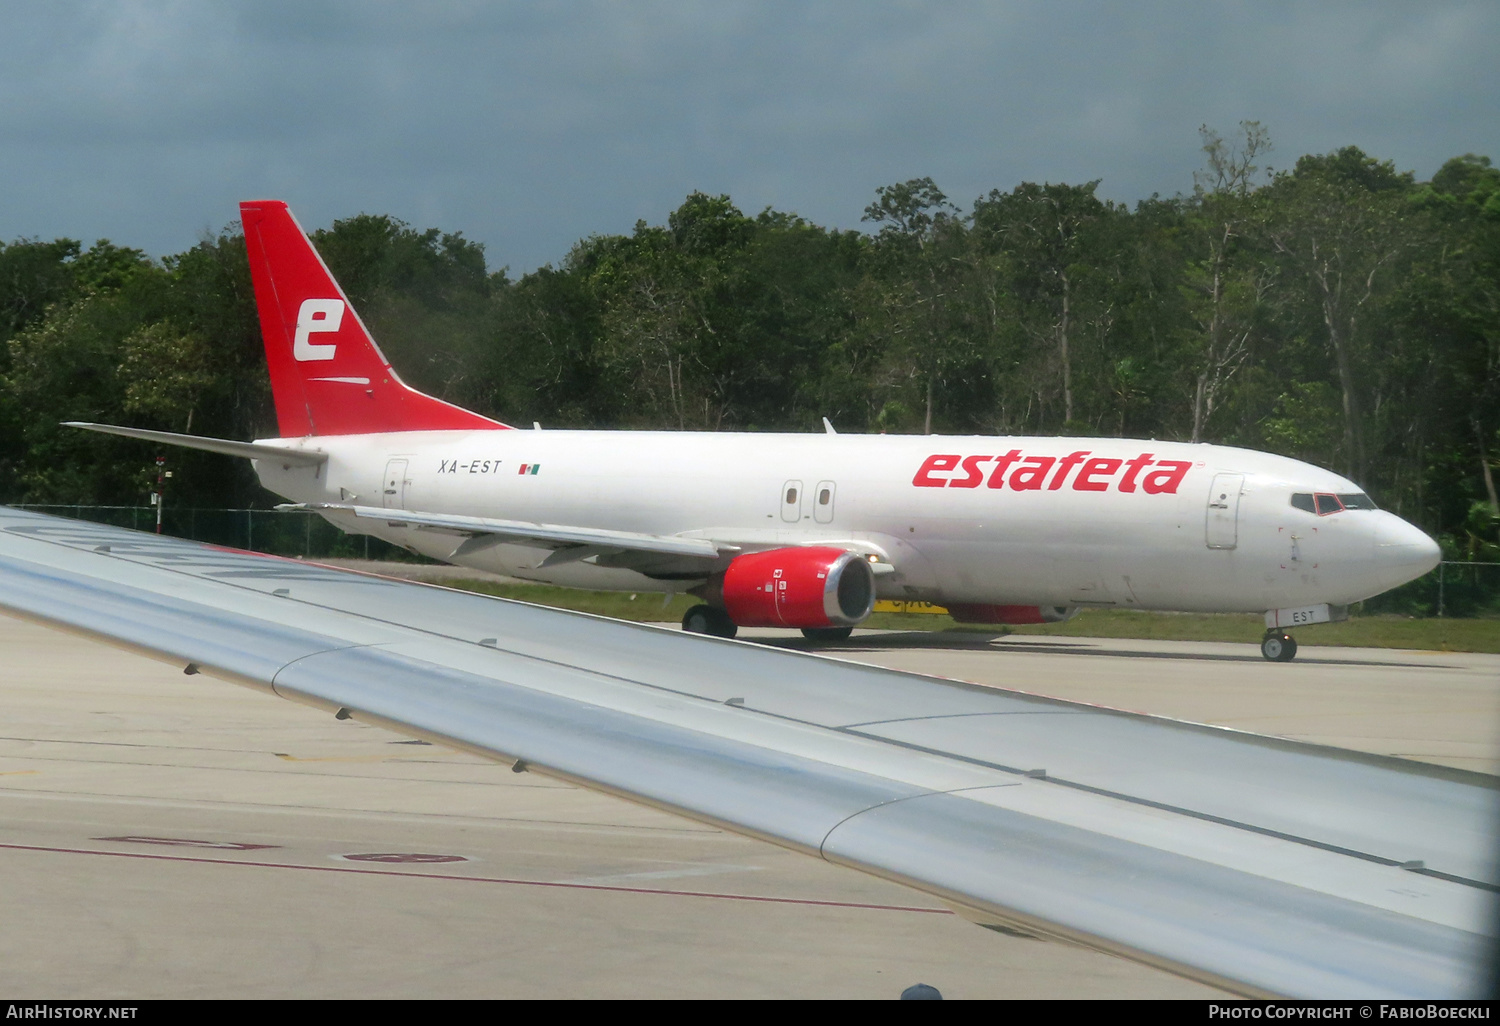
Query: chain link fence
{"points": [[1476, 586], [1456, 588]]}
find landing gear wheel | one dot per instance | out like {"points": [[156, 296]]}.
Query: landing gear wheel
{"points": [[1278, 647], [708, 620], [827, 633]]}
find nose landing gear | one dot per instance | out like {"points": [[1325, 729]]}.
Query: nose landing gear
{"points": [[1278, 646]]}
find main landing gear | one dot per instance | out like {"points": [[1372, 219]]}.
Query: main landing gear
{"points": [[703, 619], [1278, 646]]}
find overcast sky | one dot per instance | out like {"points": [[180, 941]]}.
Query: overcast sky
{"points": [[529, 125]]}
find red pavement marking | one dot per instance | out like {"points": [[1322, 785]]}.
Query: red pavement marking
{"points": [[480, 879]]}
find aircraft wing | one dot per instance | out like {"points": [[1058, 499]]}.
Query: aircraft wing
{"points": [[1262, 865], [567, 542]]}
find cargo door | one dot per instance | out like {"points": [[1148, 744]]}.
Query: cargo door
{"points": [[1221, 528], [393, 493]]}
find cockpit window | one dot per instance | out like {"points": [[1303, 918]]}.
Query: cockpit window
{"points": [[1324, 503]]}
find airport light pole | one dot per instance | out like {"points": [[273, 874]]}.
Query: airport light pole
{"points": [[158, 495]]}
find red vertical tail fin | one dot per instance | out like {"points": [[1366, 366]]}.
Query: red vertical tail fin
{"points": [[327, 375]]}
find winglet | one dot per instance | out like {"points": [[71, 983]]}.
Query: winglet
{"points": [[328, 376]]}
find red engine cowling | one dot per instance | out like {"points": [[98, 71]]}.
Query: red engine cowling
{"points": [[813, 586], [1016, 615]]}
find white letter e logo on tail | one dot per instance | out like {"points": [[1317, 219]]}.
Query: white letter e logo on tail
{"points": [[317, 315]]}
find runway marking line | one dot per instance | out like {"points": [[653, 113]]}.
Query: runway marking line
{"points": [[346, 758], [764, 899], [402, 856], [187, 842]]}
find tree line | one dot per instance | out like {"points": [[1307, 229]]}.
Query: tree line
{"points": [[1340, 312]]}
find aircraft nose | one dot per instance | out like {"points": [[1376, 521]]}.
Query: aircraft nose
{"points": [[1403, 552]]}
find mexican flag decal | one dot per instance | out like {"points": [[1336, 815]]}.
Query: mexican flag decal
{"points": [[529, 468]]}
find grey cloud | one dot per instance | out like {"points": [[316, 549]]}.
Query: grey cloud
{"points": [[528, 126]]}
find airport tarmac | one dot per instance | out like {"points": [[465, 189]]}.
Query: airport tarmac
{"points": [[1438, 707], [171, 836]]}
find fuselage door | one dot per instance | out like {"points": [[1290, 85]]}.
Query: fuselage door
{"points": [[791, 502], [823, 502], [1221, 528], [393, 492]]}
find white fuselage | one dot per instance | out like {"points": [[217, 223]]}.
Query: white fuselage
{"points": [[1218, 533]]}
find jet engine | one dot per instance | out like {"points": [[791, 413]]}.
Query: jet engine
{"points": [[807, 587], [1015, 615]]}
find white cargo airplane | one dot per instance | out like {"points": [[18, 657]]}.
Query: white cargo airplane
{"points": [[796, 530]]}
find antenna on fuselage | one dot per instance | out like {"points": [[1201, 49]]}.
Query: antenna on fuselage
{"points": [[828, 426]]}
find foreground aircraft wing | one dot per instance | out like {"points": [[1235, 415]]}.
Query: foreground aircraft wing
{"points": [[229, 447], [1261, 865], [575, 541]]}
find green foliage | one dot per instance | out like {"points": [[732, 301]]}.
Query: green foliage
{"points": [[33, 276], [105, 267], [64, 368], [1340, 312], [424, 295], [165, 374], [1477, 537], [1304, 421]]}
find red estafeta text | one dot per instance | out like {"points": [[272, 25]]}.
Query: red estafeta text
{"points": [[1082, 471]]}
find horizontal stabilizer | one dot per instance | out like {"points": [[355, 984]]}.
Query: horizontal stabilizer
{"points": [[250, 450], [548, 535]]}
